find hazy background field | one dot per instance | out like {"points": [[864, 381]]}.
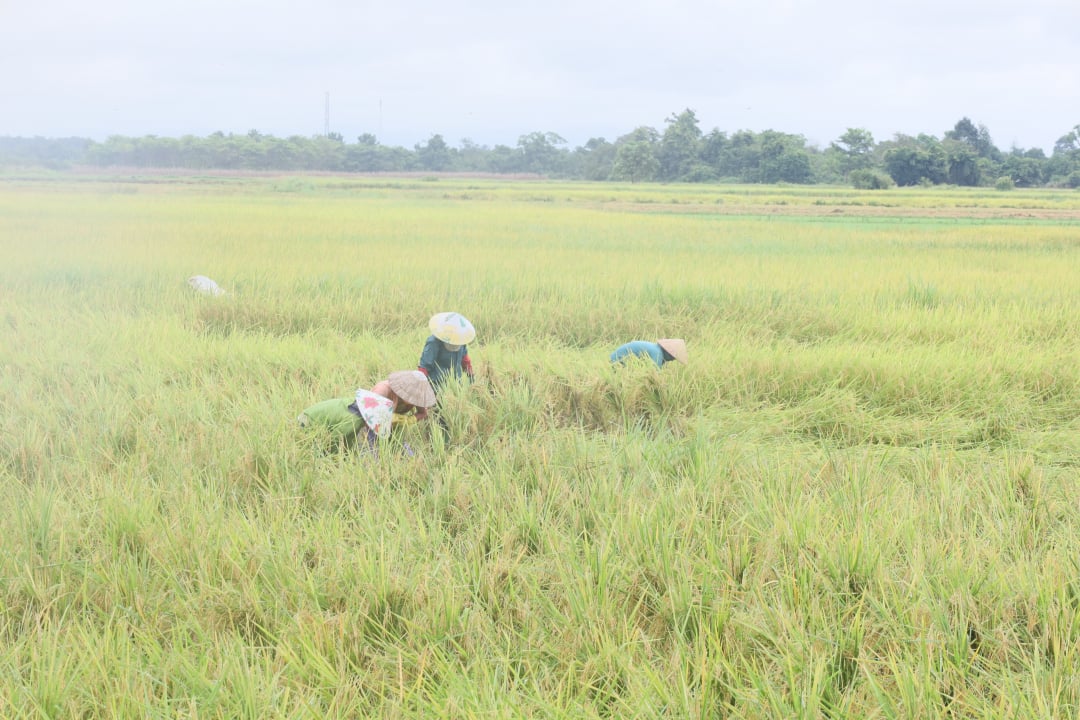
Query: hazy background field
{"points": [[858, 499]]}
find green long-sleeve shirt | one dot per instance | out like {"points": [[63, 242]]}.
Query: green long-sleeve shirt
{"points": [[335, 416]]}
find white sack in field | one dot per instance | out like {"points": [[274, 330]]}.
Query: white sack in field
{"points": [[204, 285]]}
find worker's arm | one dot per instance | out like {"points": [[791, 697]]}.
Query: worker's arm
{"points": [[466, 365]]}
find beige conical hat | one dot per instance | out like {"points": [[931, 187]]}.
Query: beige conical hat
{"points": [[675, 347], [413, 387], [452, 327]]}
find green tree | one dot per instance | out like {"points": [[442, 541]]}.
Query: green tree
{"points": [[713, 147], [54, 153], [326, 154], [1026, 168], [194, 153], [635, 161], [635, 155], [854, 150], [116, 150], [506, 160], [1069, 142], [741, 158], [363, 158], [367, 155], [1063, 167], [434, 155], [473, 157], [281, 154], [595, 160], [783, 158], [680, 146], [394, 158], [977, 138], [909, 160], [962, 163], [540, 152]]}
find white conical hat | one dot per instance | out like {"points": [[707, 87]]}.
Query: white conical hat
{"points": [[452, 327], [377, 411]]}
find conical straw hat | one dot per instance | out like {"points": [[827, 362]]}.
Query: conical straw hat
{"points": [[452, 327], [413, 387], [675, 347]]}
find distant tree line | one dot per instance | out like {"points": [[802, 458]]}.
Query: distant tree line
{"points": [[681, 152]]}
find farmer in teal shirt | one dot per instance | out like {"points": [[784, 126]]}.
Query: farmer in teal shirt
{"points": [[659, 352], [445, 353]]}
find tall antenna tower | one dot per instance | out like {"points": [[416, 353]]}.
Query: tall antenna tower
{"points": [[326, 117]]}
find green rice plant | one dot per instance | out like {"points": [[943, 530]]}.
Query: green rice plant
{"points": [[857, 499]]}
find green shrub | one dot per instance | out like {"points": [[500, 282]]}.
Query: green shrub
{"points": [[870, 180], [1004, 183], [700, 173]]}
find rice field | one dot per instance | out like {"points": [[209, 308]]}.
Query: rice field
{"points": [[858, 499]]}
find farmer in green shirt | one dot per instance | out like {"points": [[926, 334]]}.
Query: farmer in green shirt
{"points": [[371, 413]]}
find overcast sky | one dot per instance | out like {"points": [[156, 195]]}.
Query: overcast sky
{"points": [[493, 70]]}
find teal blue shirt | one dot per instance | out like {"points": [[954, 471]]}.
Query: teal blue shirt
{"points": [[640, 348], [441, 363]]}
